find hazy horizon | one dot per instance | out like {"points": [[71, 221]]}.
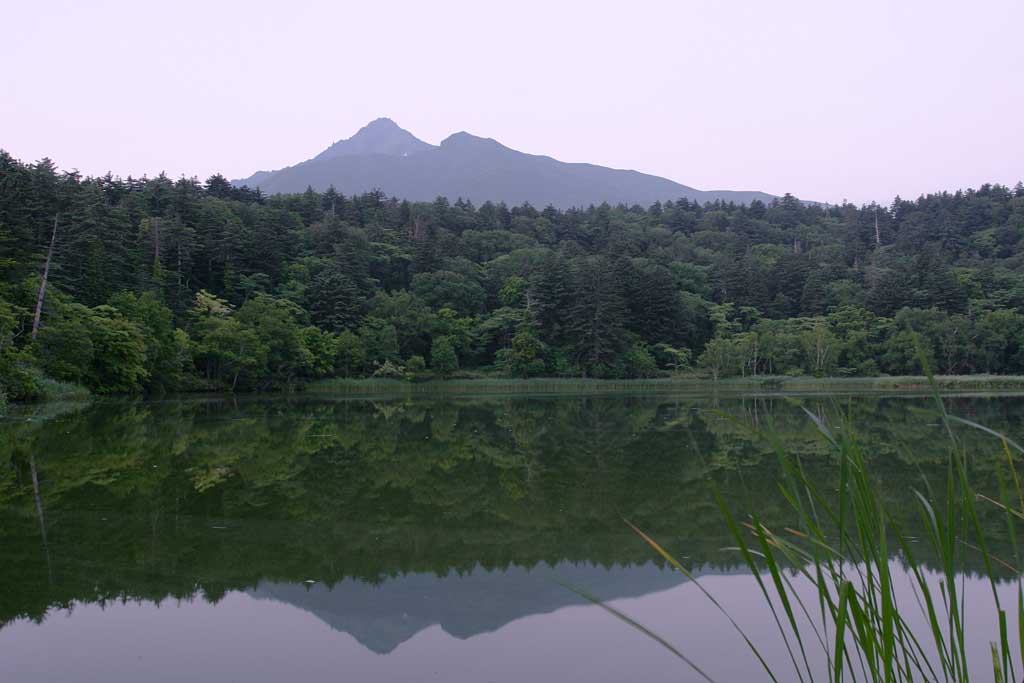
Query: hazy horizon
{"points": [[820, 101]]}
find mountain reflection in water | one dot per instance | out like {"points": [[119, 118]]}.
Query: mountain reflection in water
{"points": [[384, 519]]}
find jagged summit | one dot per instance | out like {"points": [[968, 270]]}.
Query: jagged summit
{"points": [[380, 136], [382, 155]]}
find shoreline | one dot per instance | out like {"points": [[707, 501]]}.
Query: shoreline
{"points": [[762, 385], [735, 387]]}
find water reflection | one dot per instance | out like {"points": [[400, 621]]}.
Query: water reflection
{"points": [[400, 523], [384, 616]]}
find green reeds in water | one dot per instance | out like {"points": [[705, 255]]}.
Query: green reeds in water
{"points": [[841, 543]]}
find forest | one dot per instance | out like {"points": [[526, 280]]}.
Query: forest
{"points": [[155, 285]]}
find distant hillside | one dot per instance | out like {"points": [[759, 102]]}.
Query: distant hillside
{"points": [[385, 157]]}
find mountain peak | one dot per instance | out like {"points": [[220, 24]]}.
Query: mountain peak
{"points": [[464, 139], [383, 156], [380, 136], [460, 136], [382, 123]]}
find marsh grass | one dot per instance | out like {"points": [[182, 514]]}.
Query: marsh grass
{"points": [[841, 544], [669, 385], [55, 390], [493, 386]]}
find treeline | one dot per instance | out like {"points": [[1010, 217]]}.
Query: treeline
{"points": [[160, 284]]}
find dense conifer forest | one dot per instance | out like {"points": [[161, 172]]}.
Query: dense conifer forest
{"points": [[159, 285]]}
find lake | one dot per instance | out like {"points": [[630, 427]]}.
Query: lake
{"points": [[411, 539]]}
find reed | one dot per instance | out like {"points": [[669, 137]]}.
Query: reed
{"points": [[841, 544], [504, 386], [56, 390], [687, 385]]}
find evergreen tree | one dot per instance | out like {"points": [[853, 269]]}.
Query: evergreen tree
{"points": [[596, 327], [350, 284], [550, 295], [335, 302]]}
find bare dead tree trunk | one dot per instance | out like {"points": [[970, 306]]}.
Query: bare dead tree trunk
{"points": [[39, 513], [38, 498], [878, 234], [156, 242], [42, 284], [178, 298]]}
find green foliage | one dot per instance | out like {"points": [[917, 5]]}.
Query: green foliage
{"points": [[499, 483], [46, 388], [411, 318], [350, 354], [335, 301], [639, 362], [513, 292], [463, 332], [820, 348], [389, 370], [119, 353], [97, 347], [446, 289], [64, 348], [777, 288], [596, 323], [717, 357], [671, 358], [321, 349], [224, 349], [841, 546], [414, 367], [166, 348], [443, 359], [379, 341], [277, 325], [16, 381], [525, 358]]}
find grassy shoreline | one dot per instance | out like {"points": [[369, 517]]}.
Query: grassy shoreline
{"points": [[691, 385]]}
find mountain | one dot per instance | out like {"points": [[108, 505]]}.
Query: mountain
{"points": [[384, 616], [381, 136], [383, 156]]}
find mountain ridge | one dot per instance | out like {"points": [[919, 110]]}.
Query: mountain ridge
{"points": [[383, 156], [383, 616]]}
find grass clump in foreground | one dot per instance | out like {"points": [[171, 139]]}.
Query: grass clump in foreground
{"points": [[841, 545]]}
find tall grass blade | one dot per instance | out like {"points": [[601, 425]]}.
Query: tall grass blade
{"points": [[639, 627], [693, 579]]}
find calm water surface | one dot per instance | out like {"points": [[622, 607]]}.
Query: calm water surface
{"points": [[409, 540]]}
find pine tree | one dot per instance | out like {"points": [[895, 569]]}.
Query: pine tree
{"points": [[596, 328], [335, 302], [548, 302]]}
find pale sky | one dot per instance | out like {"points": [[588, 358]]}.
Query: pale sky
{"points": [[828, 100]]}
